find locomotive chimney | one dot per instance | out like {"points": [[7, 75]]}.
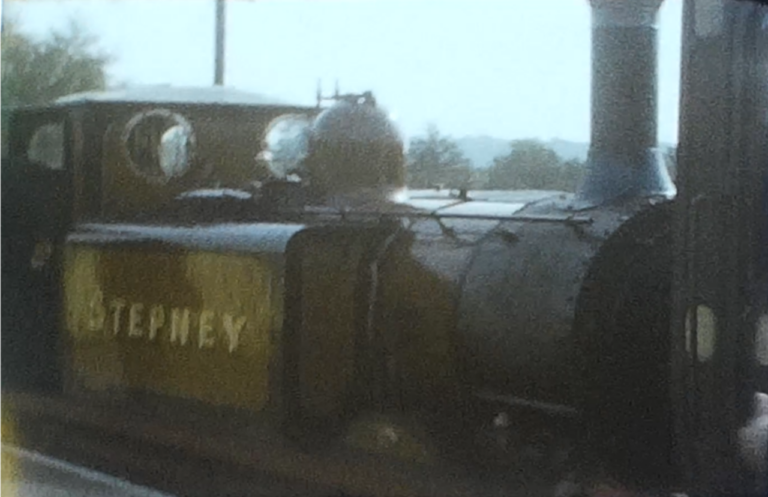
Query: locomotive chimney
{"points": [[624, 161]]}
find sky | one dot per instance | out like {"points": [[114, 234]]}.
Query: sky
{"points": [[503, 68]]}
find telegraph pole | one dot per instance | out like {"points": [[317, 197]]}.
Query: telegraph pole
{"points": [[220, 22]]}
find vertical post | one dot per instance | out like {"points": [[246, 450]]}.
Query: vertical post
{"points": [[220, 22]]}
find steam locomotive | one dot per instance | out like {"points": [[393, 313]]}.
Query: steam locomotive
{"points": [[292, 286]]}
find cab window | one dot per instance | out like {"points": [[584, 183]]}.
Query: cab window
{"points": [[46, 147]]}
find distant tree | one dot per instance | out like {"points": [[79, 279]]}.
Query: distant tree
{"points": [[532, 165], [39, 71], [572, 174], [478, 180], [437, 160]]}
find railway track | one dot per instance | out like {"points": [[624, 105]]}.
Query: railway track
{"points": [[175, 470], [145, 448]]}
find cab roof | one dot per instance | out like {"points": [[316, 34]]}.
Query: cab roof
{"points": [[215, 95]]}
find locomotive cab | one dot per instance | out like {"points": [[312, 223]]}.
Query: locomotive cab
{"points": [[116, 155]]}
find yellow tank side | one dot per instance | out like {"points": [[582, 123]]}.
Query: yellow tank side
{"points": [[194, 325]]}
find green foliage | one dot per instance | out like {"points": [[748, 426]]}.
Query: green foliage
{"points": [[532, 165], [571, 175], [36, 72], [437, 160], [39, 71]]}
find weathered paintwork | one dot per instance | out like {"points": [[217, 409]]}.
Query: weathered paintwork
{"points": [[224, 147], [519, 299], [167, 315], [412, 312]]}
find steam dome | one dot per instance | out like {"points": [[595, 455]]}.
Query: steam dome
{"points": [[354, 147]]}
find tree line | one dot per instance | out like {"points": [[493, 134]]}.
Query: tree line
{"points": [[435, 160], [37, 71]]}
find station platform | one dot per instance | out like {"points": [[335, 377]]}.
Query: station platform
{"points": [[30, 474]]}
